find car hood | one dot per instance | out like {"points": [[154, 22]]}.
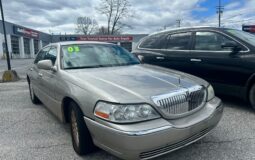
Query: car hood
{"points": [[136, 83]]}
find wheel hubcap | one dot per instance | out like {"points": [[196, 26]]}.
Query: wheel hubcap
{"points": [[74, 128]]}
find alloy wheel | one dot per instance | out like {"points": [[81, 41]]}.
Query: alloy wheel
{"points": [[75, 132]]}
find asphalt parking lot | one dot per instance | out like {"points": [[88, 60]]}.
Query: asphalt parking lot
{"points": [[29, 131]]}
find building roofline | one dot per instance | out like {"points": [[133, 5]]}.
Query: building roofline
{"points": [[14, 24]]}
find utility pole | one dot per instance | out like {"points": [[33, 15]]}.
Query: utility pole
{"points": [[178, 22], [220, 9], [5, 38]]}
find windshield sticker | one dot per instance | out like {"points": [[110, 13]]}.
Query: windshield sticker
{"points": [[73, 49], [70, 49], [76, 48]]}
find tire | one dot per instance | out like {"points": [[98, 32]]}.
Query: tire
{"points": [[252, 96], [33, 97], [81, 138]]}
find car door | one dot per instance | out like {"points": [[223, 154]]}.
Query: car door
{"points": [[49, 80], [34, 73], [177, 51], [217, 65]]}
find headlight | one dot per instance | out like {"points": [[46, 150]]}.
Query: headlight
{"points": [[121, 113], [210, 93]]}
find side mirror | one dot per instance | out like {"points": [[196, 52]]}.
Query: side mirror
{"points": [[141, 58], [233, 46], [45, 64]]}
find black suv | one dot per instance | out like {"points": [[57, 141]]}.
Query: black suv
{"points": [[224, 57]]}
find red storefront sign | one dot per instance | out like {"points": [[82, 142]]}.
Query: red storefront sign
{"points": [[249, 28], [25, 32], [106, 38]]}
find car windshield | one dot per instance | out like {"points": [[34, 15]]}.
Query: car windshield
{"points": [[77, 56], [248, 37]]}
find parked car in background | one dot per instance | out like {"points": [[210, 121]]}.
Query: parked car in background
{"points": [[222, 56], [132, 110]]}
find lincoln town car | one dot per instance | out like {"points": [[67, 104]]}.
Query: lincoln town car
{"points": [[114, 102]]}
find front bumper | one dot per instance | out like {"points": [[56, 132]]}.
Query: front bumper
{"points": [[150, 139]]}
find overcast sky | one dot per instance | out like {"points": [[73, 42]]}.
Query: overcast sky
{"points": [[148, 15]]}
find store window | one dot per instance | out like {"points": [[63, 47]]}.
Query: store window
{"points": [[126, 45], [36, 46], [15, 45], [26, 46], [4, 47]]}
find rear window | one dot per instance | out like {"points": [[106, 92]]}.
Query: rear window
{"points": [[179, 41], [154, 42]]}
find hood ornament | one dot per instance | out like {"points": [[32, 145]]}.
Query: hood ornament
{"points": [[179, 80]]}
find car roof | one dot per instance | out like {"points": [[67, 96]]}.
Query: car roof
{"points": [[79, 42], [187, 29]]}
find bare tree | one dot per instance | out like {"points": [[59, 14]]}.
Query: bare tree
{"points": [[86, 25], [115, 11], [102, 31]]}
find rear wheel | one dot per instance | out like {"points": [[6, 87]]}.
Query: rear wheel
{"points": [[81, 138], [252, 96], [33, 97]]}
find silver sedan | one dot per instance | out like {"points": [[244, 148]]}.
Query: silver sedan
{"points": [[112, 101]]}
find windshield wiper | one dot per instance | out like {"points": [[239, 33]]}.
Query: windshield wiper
{"points": [[127, 64], [83, 67], [108, 65]]}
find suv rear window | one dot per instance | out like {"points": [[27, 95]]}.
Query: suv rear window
{"points": [[154, 42], [179, 41]]}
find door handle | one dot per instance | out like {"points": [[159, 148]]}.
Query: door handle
{"points": [[160, 57], [195, 60], [40, 74]]}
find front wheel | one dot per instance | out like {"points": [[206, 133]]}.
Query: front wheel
{"points": [[81, 138], [33, 97], [252, 96]]}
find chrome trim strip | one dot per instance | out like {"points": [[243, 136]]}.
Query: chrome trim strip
{"points": [[195, 60], [189, 143], [129, 133], [178, 29], [197, 30]]}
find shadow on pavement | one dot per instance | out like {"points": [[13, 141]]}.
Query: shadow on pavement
{"points": [[236, 103]]}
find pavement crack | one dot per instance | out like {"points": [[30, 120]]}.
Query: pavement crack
{"points": [[50, 146]]}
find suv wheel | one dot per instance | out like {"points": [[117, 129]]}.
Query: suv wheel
{"points": [[252, 96], [81, 138]]}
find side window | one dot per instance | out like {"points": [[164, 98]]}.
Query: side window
{"points": [[179, 41], [40, 56], [154, 42], [51, 55], [211, 41]]}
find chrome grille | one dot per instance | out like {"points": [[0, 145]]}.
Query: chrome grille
{"points": [[180, 102]]}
